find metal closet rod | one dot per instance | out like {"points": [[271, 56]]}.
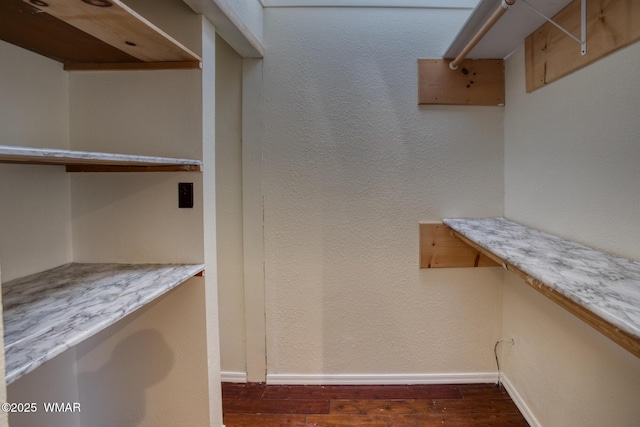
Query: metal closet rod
{"points": [[481, 33], [501, 11]]}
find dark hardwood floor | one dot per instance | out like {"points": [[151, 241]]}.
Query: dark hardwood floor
{"points": [[254, 404]]}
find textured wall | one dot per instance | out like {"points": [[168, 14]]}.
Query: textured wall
{"points": [[351, 164], [572, 158], [572, 168]]}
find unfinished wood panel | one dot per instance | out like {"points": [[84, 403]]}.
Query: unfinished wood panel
{"points": [[475, 82], [24, 25], [622, 338], [119, 26], [550, 54], [439, 248], [75, 32]]}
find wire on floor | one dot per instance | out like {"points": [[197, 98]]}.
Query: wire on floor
{"points": [[495, 353]]}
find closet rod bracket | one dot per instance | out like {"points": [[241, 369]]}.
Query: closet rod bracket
{"points": [[504, 6], [583, 24]]}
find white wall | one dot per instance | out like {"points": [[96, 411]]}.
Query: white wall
{"points": [[229, 207], [572, 168], [55, 381], [35, 226], [572, 153], [35, 101], [34, 222], [351, 165], [149, 369], [125, 217]]}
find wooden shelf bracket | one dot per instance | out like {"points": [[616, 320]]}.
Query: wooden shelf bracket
{"points": [[440, 248]]}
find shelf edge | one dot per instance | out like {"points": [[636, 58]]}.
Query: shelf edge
{"points": [[32, 356], [620, 337], [88, 161]]}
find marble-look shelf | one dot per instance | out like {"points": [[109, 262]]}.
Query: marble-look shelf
{"points": [[51, 311], [89, 161], [601, 289]]}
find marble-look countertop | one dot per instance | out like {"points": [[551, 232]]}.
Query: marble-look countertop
{"points": [[606, 285], [71, 157], [49, 312]]}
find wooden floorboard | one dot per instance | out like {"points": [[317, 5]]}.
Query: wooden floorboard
{"points": [[473, 420], [483, 391], [248, 405], [483, 406], [436, 391], [339, 420], [383, 407], [241, 390], [272, 406], [261, 420]]}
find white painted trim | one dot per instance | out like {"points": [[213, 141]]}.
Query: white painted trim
{"points": [[382, 379], [233, 377], [422, 4], [520, 403], [229, 26], [253, 220]]}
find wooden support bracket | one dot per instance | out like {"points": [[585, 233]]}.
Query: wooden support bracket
{"points": [[439, 248], [474, 82]]}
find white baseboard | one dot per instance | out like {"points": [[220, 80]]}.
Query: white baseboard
{"points": [[233, 377], [382, 379], [520, 403]]}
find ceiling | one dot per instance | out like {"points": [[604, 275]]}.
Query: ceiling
{"points": [[508, 33]]}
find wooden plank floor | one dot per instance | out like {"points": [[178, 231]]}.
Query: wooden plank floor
{"points": [[246, 405]]}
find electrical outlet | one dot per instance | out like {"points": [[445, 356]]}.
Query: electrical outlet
{"points": [[185, 195]]}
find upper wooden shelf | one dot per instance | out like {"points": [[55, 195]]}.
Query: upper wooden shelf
{"points": [[601, 289], [91, 34], [87, 161]]}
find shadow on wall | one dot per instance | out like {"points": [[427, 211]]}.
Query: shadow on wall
{"points": [[114, 395]]}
